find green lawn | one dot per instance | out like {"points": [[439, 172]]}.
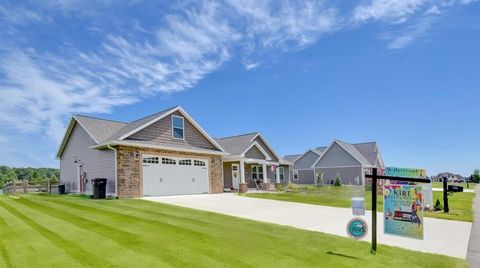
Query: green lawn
{"points": [[460, 204], [464, 184], [61, 231]]}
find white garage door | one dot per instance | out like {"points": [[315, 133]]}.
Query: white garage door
{"points": [[166, 175]]}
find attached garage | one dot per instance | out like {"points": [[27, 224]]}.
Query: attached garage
{"points": [[167, 175]]}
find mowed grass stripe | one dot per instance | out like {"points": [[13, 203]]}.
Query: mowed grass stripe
{"points": [[5, 232], [73, 250], [246, 242], [127, 240], [214, 228], [205, 252], [217, 237], [25, 244]]}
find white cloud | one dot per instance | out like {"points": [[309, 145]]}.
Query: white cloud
{"points": [[392, 11]]}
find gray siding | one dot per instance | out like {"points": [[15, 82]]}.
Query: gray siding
{"points": [[304, 176], [306, 161], [254, 153], [161, 132], [265, 148], [348, 175], [336, 156], [96, 164]]}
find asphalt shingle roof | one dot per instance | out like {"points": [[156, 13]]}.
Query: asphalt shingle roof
{"points": [[236, 145], [292, 157], [100, 129]]}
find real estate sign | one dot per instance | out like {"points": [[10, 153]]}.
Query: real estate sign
{"points": [[403, 210], [406, 172]]}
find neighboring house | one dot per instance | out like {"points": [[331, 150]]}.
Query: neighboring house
{"points": [[349, 162], [451, 177], [166, 153], [251, 158]]}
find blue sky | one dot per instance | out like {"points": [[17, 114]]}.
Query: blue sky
{"points": [[405, 73]]}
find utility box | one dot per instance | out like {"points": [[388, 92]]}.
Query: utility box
{"points": [[455, 188], [61, 189], [99, 188]]}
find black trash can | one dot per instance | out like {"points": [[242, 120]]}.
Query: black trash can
{"points": [[99, 188], [61, 189]]}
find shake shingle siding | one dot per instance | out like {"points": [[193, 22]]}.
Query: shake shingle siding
{"points": [[265, 147], [96, 164], [161, 132], [255, 153]]}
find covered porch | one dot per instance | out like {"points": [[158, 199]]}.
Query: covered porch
{"points": [[243, 173]]}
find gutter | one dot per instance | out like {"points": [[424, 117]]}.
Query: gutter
{"points": [[115, 153]]}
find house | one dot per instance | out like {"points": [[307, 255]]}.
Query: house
{"points": [[166, 153], [349, 162], [451, 177], [251, 159]]}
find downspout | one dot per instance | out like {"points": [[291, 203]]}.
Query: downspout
{"points": [[115, 153]]}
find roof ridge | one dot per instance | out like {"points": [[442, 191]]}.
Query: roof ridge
{"points": [[239, 135], [171, 108], [101, 119], [364, 142]]}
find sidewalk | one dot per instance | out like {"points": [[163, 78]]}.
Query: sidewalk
{"points": [[441, 236], [473, 254]]}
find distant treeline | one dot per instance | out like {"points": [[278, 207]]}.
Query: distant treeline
{"points": [[32, 174]]}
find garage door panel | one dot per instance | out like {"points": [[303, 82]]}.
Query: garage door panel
{"points": [[167, 177]]}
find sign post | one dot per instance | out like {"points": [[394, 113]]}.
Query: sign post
{"points": [[375, 177]]}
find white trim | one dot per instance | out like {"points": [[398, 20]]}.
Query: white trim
{"points": [[183, 127], [186, 115], [303, 169], [267, 157], [211, 152], [266, 143]]}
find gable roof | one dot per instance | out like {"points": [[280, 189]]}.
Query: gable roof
{"points": [[292, 157], [107, 132], [238, 145], [365, 153]]}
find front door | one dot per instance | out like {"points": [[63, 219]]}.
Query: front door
{"points": [[236, 176]]}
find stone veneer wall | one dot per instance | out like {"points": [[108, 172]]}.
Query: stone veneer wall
{"points": [[129, 169]]}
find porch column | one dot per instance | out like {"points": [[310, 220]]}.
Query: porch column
{"points": [[277, 173], [242, 171], [265, 172]]}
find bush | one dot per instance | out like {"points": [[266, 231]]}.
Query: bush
{"points": [[338, 181], [438, 206], [297, 188], [280, 187]]}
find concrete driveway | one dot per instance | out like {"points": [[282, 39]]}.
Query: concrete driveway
{"points": [[441, 236]]}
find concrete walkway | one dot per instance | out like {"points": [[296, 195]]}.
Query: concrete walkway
{"points": [[473, 255], [441, 236]]}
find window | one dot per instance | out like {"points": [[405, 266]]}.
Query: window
{"points": [[281, 171], [185, 162], [257, 173], [198, 163], [168, 161], [178, 130], [295, 175], [150, 160]]}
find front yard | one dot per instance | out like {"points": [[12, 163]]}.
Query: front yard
{"points": [[460, 204], [69, 231]]}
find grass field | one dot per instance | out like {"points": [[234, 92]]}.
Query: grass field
{"points": [[61, 231], [460, 204], [464, 184]]}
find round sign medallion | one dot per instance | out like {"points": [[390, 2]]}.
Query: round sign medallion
{"points": [[357, 228]]}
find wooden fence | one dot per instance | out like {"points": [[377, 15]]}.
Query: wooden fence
{"points": [[25, 186]]}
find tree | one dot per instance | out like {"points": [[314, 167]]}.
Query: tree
{"points": [[53, 178], [10, 175], [36, 177], [476, 175], [338, 181]]}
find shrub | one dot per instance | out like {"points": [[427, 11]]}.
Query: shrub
{"points": [[438, 206], [280, 187], [338, 181]]}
